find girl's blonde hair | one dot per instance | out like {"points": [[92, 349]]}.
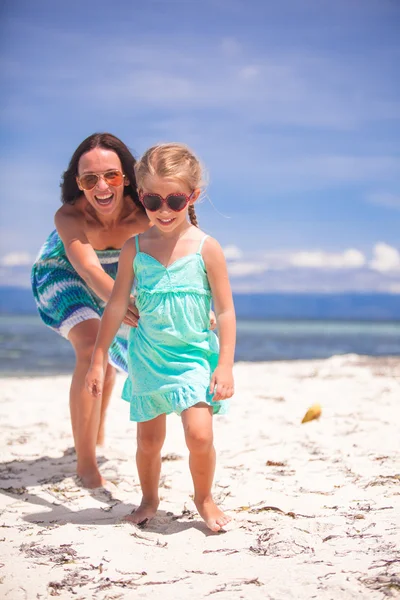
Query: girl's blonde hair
{"points": [[175, 161]]}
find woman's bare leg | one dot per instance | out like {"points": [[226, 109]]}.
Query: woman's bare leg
{"points": [[197, 424], [85, 410], [150, 440], [105, 401]]}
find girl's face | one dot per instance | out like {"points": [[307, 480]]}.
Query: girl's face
{"points": [[165, 218], [107, 192]]}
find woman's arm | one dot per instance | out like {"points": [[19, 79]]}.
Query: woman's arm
{"points": [[217, 273], [85, 261], [112, 318], [81, 253]]}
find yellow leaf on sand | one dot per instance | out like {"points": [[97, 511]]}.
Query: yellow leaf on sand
{"points": [[314, 412]]}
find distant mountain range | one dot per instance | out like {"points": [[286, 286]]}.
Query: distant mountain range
{"points": [[346, 306]]}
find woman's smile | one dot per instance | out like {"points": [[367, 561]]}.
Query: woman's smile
{"points": [[104, 199]]}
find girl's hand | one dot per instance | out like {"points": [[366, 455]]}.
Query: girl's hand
{"points": [[213, 320], [222, 380], [132, 314], [94, 381]]}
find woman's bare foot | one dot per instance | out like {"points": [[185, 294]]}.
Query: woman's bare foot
{"points": [[213, 516], [91, 479], [144, 513]]}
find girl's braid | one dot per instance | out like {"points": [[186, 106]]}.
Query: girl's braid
{"points": [[192, 215]]}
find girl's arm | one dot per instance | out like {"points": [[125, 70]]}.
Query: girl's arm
{"points": [[217, 274], [112, 318], [85, 261]]}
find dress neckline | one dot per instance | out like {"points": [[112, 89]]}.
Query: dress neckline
{"points": [[167, 267]]}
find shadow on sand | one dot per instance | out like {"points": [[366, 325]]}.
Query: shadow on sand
{"points": [[58, 487]]}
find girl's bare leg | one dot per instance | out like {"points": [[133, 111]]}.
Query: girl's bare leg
{"points": [[85, 410], [150, 440], [197, 424]]}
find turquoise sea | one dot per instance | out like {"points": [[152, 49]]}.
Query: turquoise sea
{"points": [[27, 347]]}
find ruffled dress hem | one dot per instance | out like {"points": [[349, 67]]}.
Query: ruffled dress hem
{"points": [[145, 407]]}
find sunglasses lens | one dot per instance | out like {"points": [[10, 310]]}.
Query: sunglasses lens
{"points": [[88, 181], [151, 202], [114, 178], [176, 202]]}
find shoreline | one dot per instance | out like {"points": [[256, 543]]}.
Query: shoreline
{"points": [[366, 358], [315, 505]]}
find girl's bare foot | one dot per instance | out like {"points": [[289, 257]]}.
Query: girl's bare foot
{"points": [[144, 513], [213, 516], [91, 479]]}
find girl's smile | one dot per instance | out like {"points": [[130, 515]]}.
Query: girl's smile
{"points": [[165, 222]]}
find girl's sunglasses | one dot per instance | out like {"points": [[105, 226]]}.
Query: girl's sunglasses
{"points": [[175, 202], [90, 180]]}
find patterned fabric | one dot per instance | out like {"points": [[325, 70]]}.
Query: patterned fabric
{"points": [[172, 353], [64, 299]]}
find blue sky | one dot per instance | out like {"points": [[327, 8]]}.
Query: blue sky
{"points": [[293, 106]]}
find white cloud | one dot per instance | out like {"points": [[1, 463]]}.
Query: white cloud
{"points": [[16, 259], [230, 47], [331, 169], [288, 87], [386, 258], [256, 108], [280, 261], [315, 259], [232, 252], [394, 288], [349, 259], [249, 72], [385, 199], [244, 269]]}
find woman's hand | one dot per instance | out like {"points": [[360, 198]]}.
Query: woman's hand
{"points": [[222, 383], [213, 320], [132, 314], [94, 380]]}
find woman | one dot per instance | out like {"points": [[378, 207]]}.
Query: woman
{"points": [[74, 274]]}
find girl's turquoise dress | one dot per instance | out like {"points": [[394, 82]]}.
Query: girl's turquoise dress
{"points": [[172, 353]]}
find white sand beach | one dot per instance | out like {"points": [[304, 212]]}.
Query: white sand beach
{"points": [[315, 506]]}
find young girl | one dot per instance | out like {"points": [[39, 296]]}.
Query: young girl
{"points": [[174, 361]]}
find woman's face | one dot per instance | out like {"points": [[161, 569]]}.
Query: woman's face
{"points": [[104, 197]]}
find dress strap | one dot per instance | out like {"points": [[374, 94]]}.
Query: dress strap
{"points": [[202, 243], [137, 243]]}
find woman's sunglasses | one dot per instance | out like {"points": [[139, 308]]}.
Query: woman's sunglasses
{"points": [[90, 180], [175, 202]]}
